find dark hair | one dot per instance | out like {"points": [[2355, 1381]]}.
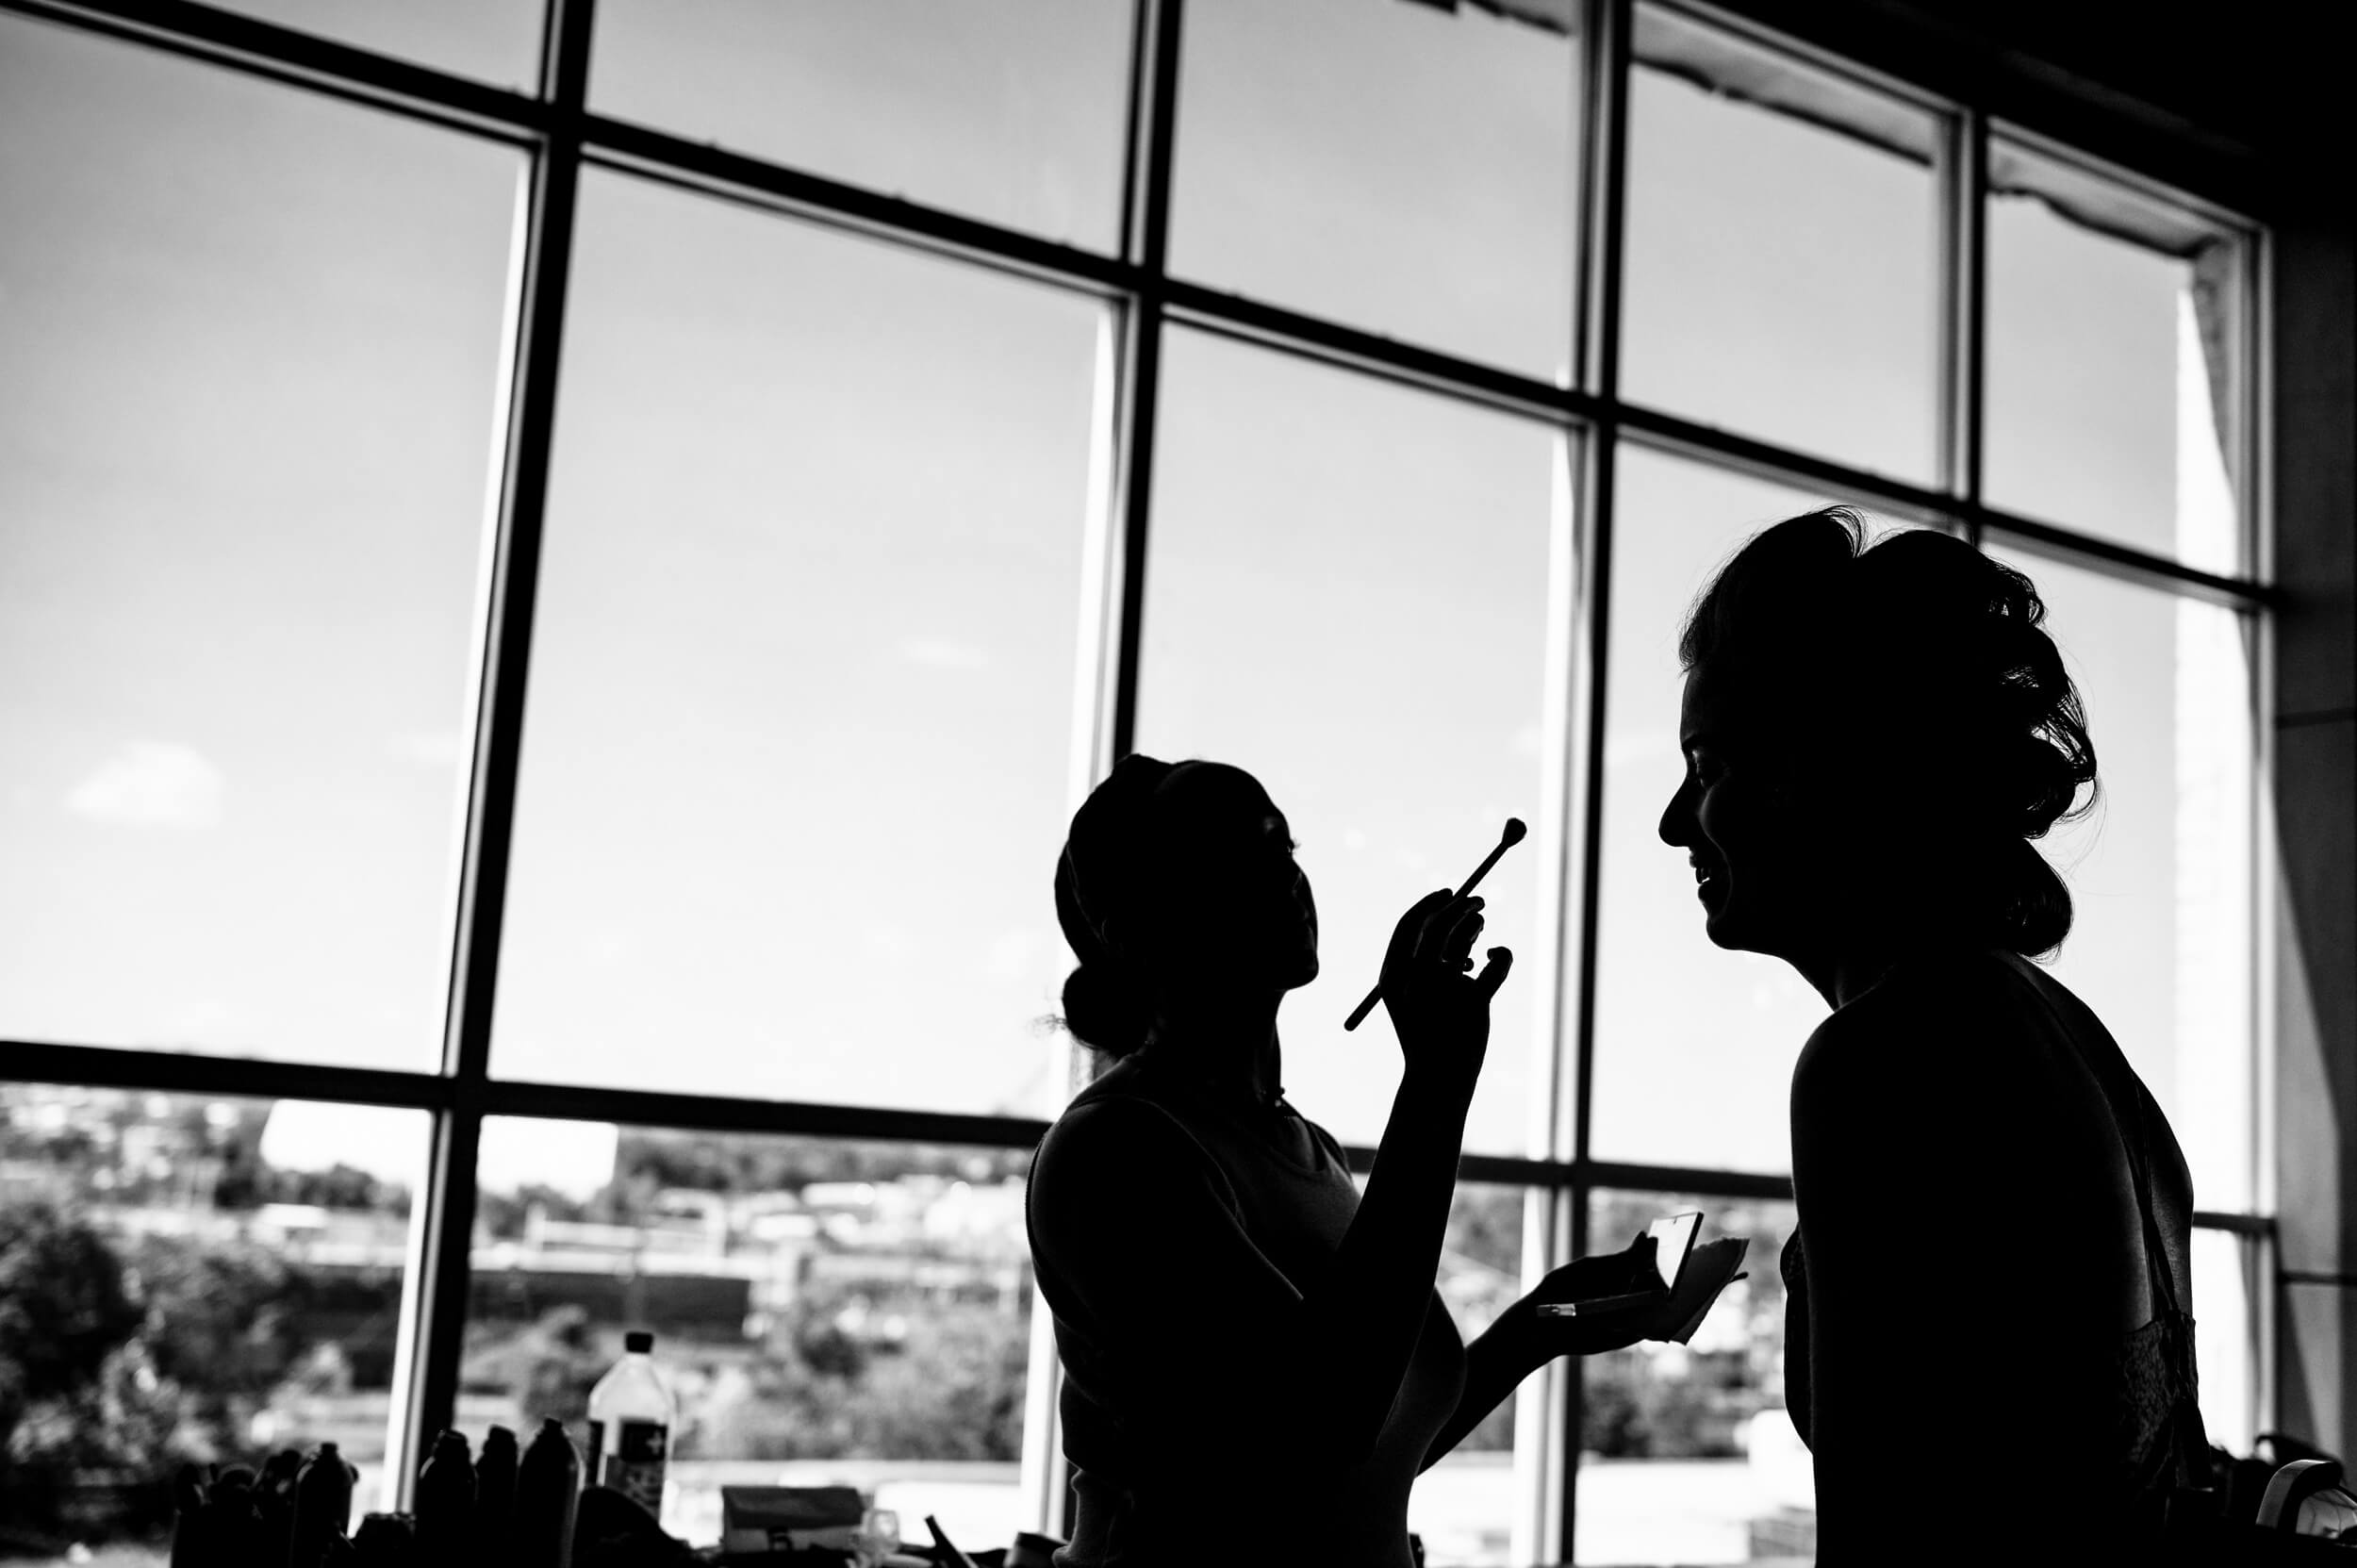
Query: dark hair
{"points": [[1104, 867], [1933, 660]]}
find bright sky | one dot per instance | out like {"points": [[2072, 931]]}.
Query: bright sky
{"points": [[802, 696]]}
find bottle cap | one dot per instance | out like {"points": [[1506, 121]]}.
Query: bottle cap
{"points": [[637, 1342]]}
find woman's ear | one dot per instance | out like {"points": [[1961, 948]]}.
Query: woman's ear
{"points": [[1116, 935]]}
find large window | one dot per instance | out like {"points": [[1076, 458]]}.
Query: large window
{"points": [[563, 571], [802, 686]]}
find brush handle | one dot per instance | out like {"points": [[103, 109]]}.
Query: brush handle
{"points": [[1513, 837]]}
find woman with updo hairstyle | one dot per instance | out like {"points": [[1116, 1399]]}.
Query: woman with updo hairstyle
{"points": [[1988, 1336], [1256, 1364]]}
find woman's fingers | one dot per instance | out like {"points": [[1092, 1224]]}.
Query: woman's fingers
{"points": [[1494, 973], [1407, 937], [1449, 932]]}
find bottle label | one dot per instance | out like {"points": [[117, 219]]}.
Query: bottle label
{"points": [[631, 1460]]}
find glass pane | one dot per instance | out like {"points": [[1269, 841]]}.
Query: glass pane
{"points": [[1010, 110], [2227, 1290], [254, 342], [1463, 1507], [794, 776], [232, 1270], [496, 39], [1781, 275], [1305, 518], [2116, 363], [1686, 1455], [825, 1313], [2160, 873], [1408, 169], [1674, 1011]]}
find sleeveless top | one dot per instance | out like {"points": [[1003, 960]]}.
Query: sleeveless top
{"points": [[1284, 1181], [2157, 1442]]}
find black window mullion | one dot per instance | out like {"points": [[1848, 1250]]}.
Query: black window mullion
{"points": [[543, 270], [1145, 239], [1605, 156], [297, 58], [1967, 263], [1963, 280], [1158, 72]]}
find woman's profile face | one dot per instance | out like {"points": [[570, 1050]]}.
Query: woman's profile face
{"points": [[1239, 906], [1762, 873]]}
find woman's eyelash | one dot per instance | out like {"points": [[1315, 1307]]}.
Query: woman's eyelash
{"points": [[1292, 845]]}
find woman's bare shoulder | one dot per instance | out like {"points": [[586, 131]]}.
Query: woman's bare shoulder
{"points": [[1113, 1127], [1111, 1143], [1938, 1033]]}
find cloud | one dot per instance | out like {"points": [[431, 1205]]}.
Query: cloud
{"points": [[151, 784], [941, 653]]}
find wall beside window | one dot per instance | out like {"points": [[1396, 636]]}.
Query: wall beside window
{"points": [[2314, 830]]}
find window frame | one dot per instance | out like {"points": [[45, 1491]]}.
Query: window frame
{"points": [[562, 135]]}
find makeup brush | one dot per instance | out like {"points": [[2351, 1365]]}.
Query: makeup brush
{"points": [[1506, 840]]}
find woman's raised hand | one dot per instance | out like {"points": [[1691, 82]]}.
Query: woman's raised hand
{"points": [[1440, 1011]]}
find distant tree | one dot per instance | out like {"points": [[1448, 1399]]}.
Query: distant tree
{"points": [[64, 1307], [1485, 1224], [219, 1320], [502, 1214], [562, 1364], [955, 1391], [244, 1181], [763, 1162], [97, 1461], [828, 1352], [67, 1399], [339, 1186]]}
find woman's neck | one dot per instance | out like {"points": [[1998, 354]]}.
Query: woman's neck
{"points": [[1841, 977], [1229, 1045]]}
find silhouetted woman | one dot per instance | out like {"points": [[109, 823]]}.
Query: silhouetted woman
{"points": [[1256, 1364], [1988, 1337]]}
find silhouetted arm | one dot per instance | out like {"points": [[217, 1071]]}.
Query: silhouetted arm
{"points": [[1495, 1364], [1518, 1342], [1921, 1326]]}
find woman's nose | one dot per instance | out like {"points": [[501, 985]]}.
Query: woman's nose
{"points": [[1673, 826]]}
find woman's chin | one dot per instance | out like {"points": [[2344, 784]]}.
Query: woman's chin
{"points": [[1734, 932]]}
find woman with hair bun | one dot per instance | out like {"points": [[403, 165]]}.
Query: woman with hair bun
{"points": [[1988, 1343], [1257, 1363]]}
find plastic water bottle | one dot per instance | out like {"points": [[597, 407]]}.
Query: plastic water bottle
{"points": [[630, 1425]]}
